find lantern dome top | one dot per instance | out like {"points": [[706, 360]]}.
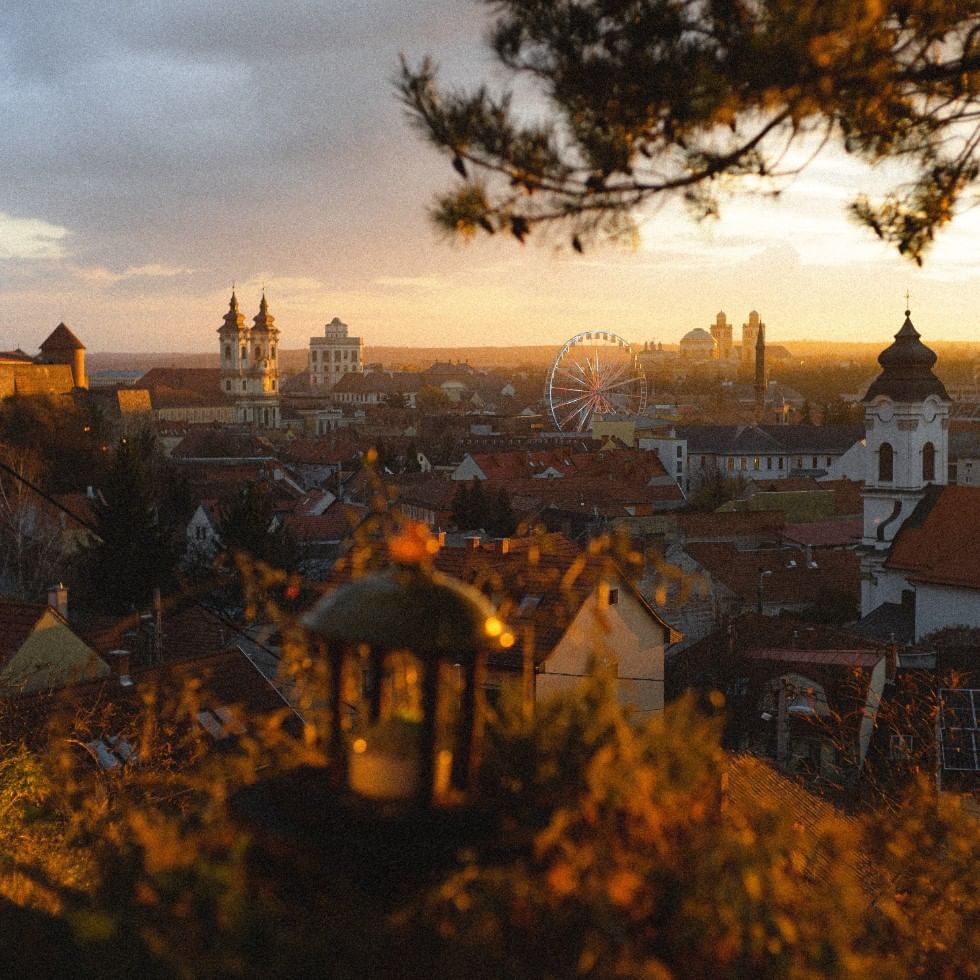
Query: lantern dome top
{"points": [[411, 608]]}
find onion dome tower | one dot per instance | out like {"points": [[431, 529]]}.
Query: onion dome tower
{"points": [[906, 417], [261, 406], [63, 347], [233, 337]]}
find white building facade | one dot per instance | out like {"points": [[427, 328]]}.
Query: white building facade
{"points": [[335, 354]]}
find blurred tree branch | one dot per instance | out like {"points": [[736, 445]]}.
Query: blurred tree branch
{"points": [[642, 100]]}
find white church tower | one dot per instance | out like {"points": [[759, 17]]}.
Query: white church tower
{"points": [[906, 417]]}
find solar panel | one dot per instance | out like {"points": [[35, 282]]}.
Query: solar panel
{"points": [[959, 729]]}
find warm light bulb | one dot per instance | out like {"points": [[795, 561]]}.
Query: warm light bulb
{"points": [[360, 745], [493, 626]]}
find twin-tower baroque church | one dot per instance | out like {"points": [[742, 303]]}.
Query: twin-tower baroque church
{"points": [[250, 364]]}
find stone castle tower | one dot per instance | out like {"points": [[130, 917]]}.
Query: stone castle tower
{"points": [[250, 364], [63, 347], [906, 417]]}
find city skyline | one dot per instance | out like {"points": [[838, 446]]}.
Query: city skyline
{"points": [[156, 156]]}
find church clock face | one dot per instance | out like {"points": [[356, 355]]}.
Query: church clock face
{"points": [[929, 411], [885, 411]]}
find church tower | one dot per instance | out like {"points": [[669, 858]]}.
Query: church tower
{"points": [[261, 405], [906, 418], [233, 341], [250, 364]]}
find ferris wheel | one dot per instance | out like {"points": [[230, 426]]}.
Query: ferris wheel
{"points": [[595, 371]]}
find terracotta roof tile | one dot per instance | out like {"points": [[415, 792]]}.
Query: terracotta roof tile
{"points": [[940, 541]]}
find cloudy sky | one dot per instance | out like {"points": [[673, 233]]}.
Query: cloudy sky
{"points": [[155, 151]]}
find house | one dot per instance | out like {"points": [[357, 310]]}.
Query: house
{"points": [[803, 695], [187, 395], [776, 580], [203, 536], [39, 649], [767, 451]]}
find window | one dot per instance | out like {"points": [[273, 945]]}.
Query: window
{"points": [[755, 462], [345, 355], [273, 384], [680, 467], [731, 463], [769, 462], [799, 462], [780, 462], [258, 352], [272, 351], [336, 356], [613, 596], [743, 463], [244, 352], [313, 356], [227, 352], [814, 463], [244, 385], [227, 386], [886, 462], [928, 463], [680, 452], [828, 461]]}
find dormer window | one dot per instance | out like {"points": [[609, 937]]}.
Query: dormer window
{"points": [[886, 463], [928, 463]]}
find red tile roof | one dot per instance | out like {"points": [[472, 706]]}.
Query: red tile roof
{"points": [[836, 571], [832, 658], [940, 541], [826, 534]]}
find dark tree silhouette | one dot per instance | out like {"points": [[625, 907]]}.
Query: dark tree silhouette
{"points": [[677, 98]]}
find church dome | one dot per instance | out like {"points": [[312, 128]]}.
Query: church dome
{"points": [[697, 338], [906, 374]]}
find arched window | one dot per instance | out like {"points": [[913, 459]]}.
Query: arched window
{"points": [[227, 352], [244, 352], [928, 463], [258, 352], [886, 462], [244, 385], [227, 386]]}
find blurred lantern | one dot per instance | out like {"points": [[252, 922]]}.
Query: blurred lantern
{"points": [[412, 644]]}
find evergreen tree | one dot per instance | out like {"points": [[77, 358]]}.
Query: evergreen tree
{"points": [[461, 506], [134, 553], [412, 464], [501, 522], [246, 527]]}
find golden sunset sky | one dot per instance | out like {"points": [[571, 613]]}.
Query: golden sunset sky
{"points": [[156, 152]]}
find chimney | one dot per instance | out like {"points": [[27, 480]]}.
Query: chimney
{"points": [[504, 546], [473, 544], [58, 599], [119, 662]]}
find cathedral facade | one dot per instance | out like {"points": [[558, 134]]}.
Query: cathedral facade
{"points": [[250, 364]]}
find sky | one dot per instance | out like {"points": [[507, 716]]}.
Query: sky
{"points": [[157, 151]]}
